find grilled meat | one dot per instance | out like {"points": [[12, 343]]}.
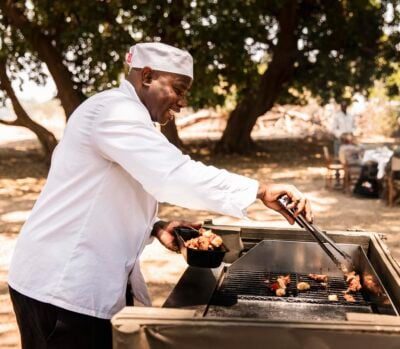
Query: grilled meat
{"points": [[353, 282], [216, 241], [350, 275], [279, 286], [333, 298], [203, 243], [206, 241], [283, 280], [192, 243], [318, 277], [349, 298], [370, 284], [203, 230], [280, 292], [303, 286]]}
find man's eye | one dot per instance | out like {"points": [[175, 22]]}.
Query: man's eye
{"points": [[178, 91]]}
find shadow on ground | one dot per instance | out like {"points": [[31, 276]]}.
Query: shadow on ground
{"points": [[301, 163]]}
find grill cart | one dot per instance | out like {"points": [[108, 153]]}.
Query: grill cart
{"points": [[233, 307]]}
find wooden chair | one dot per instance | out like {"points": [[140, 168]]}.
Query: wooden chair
{"points": [[393, 182], [335, 174], [350, 156], [351, 175]]}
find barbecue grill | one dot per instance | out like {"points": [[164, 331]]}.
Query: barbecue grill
{"points": [[233, 306]]}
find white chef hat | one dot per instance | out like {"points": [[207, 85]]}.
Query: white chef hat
{"points": [[160, 56]]}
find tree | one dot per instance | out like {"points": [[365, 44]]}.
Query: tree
{"points": [[46, 138], [10, 42], [236, 136], [83, 45], [267, 52], [47, 52], [329, 48]]}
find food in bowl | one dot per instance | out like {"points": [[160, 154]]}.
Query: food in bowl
{"points": [[206, 241], [201, 248]]}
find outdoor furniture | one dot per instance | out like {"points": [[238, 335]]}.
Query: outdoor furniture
{"points": [[351, 175], [350, 156], [393, 182], [335, 172]]}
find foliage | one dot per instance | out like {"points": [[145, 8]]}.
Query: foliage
{"points": [[16, 52], [383, 112], [341, 45], [392, 82], [342, 48]]}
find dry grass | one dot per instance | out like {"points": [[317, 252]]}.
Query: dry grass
{"points": [[300, 163]]}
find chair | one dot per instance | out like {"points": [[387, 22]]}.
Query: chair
{"points": [[335, 174], [351, 175], [393, 182], [350, 155]]}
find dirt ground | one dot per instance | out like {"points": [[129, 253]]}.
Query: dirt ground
{"points": [[298, 162]]}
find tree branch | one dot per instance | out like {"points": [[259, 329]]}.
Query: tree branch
{"points": [[69, 96], [46, 138], [9, 123]]}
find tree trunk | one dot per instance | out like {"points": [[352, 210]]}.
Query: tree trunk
{"points": [[69, 96], [46, 138], [236, 137]]}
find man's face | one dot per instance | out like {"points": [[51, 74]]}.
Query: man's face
{"points": [[165, 94]]}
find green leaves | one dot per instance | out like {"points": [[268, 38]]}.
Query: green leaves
{"points": [[341, 44]]}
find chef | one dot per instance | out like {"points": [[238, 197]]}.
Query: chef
{"points": [[98, 209]]}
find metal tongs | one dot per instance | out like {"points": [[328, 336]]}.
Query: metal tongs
{"points": [[323, 240]]}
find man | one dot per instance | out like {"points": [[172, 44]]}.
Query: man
{"points": [[342, 123], [98, 208]]}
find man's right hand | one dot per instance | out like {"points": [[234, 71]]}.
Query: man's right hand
{"points": [[270, 193]]}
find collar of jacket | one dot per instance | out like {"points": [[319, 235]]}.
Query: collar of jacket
{"points": [[127, 88]]}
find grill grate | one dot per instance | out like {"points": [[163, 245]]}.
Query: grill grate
{"points": [[254, 285]]}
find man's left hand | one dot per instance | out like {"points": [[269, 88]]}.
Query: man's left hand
{"points": [[164, 232]]}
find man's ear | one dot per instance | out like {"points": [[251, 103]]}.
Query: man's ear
{"points": [[147, 76]]}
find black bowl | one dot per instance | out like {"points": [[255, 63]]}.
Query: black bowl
{"points": [[198, 258]]}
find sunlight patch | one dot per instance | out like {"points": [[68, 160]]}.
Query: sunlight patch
{"points": [[15, 216]]}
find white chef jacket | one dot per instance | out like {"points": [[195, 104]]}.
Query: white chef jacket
{"points": [[95, 214], [343, 123]]}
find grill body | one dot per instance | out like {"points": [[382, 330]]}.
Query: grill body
{"points": [[233, 307]]}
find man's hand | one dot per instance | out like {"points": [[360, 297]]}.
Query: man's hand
{"points": [[270, 193], [164, 232]]}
